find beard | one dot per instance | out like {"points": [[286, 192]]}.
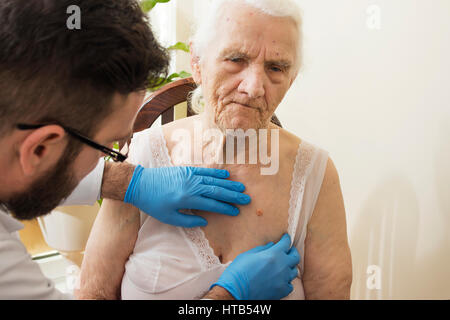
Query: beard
{"points": [[47, 192]]}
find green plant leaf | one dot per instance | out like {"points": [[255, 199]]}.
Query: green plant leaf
{"points": [[172, 76], [148, 5], [162, 82], [184, 74], [179, 46], [181, 75]]}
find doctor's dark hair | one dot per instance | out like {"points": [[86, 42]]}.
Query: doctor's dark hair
{"points": [[51, 73]]}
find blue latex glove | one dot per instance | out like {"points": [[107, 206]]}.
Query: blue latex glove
{"points": [[162, 192], [262, 273]]}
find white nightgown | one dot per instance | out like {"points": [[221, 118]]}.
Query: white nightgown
{"points": [[174, 263]]}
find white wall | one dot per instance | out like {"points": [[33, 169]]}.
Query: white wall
{"points": [[379, 101]]}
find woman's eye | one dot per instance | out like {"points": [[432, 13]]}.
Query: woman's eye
{"points": [[276, 69], [236, 60]]}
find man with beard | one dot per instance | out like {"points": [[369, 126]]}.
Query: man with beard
{"points": [[66, 97]]}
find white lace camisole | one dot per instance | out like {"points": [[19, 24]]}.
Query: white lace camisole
{"points": [[173, 263]]}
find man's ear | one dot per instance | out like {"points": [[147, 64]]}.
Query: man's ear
{"points": [[41, 149], [195, 65]]}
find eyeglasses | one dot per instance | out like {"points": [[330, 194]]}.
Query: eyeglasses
{"points": [[116, 156]]}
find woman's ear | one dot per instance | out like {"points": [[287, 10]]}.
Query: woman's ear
{"points": [[293, 79], [41, 149], [195, 65]]}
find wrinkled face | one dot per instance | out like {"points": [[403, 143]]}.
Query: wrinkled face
{"points": [[248, 67]]}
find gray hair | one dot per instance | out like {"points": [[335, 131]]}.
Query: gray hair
{"points": [[207, 26]]}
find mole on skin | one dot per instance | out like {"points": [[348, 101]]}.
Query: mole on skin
{"points": [[259, 212]]}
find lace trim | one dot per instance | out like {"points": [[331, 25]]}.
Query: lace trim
{"points": [[202, 249], [198, 241], [159, 150], [301, 170]]}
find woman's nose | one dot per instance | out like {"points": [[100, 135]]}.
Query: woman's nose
{"points": [[253, 83]]}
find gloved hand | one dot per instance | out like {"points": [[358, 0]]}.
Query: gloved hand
{"points": [[262, 273], [161, 192]]}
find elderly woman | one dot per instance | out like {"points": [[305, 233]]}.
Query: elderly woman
{"points": [[245, 57]]}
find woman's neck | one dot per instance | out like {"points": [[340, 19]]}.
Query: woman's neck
{"points": [[234, 146]]}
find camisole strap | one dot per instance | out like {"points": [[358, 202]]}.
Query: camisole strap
{"points": [[307, 177]]}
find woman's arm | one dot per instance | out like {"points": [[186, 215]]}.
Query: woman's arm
{"points": [[110, 243], [328, 264]]}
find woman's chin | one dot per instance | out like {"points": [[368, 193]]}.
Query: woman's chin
{"points": [[239, 123]]}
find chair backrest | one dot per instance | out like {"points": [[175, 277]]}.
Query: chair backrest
{"points": [[163, 101]]}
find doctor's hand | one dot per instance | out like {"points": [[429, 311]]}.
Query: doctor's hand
{"points": [[262, 273], [162, 192]]}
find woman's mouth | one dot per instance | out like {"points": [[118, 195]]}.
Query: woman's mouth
{"points": [[244, 105]]}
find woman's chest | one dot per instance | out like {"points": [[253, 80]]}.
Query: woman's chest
{"points": [[265, 219]]}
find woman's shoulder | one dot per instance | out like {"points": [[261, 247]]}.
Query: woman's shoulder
{"points": [[296, 142], [147, 147], [144, 135], [179, 128], [289, 137], [289, 142], [184, 123]]}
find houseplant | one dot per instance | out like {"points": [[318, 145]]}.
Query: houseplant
{"points": [[147, 6]]}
